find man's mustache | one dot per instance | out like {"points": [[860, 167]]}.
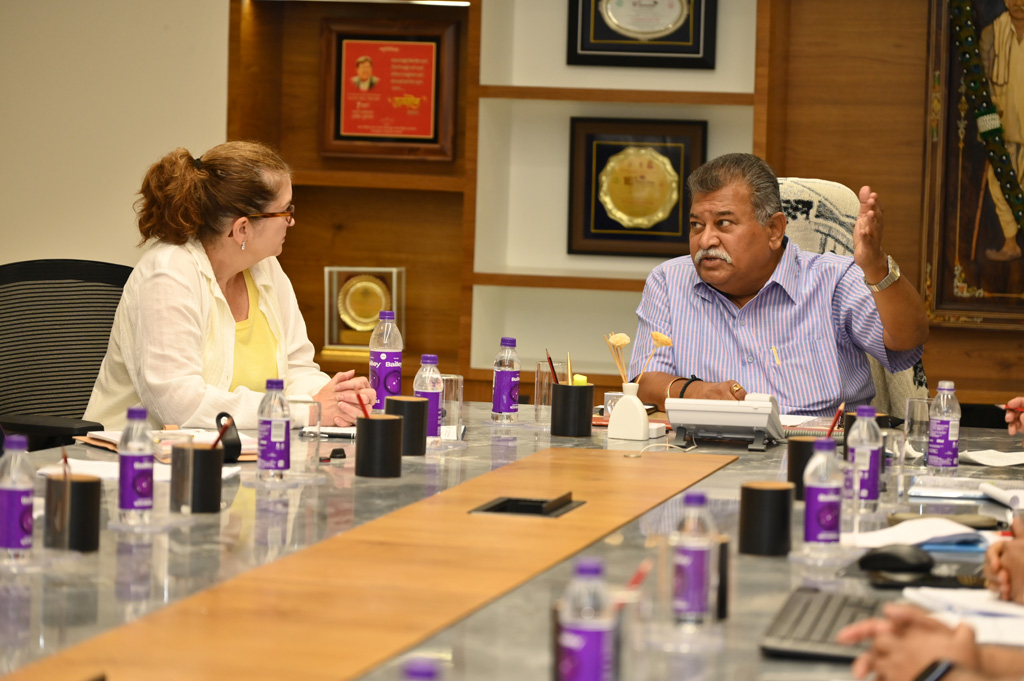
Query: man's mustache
{"points": [[711, 253]]}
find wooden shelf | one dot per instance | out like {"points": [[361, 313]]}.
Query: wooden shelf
{"points": [[403, 181], [544, 281], [601, 95]]}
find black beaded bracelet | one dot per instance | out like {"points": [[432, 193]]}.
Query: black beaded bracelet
{"points": [[687, 384]]}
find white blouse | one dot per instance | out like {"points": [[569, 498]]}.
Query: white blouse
{"points": [[173, 340]]}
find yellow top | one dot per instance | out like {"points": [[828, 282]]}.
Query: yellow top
{"points": [[255, 346]]}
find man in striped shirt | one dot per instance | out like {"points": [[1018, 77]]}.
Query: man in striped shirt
{"points": [[749, 311]]}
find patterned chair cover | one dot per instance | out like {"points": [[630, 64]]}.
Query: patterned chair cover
{"points": [[820, 217]]}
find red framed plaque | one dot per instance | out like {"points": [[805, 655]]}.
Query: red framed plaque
{"points": [[389, 89]]}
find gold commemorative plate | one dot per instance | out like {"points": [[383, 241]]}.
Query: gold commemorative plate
{"points": [[638, 187], [360, 300], [644, 19]]}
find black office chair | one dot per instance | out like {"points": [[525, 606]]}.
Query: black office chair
{"points": [[55, 321]]}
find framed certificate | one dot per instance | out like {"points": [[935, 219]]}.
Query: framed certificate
{"points": [[388, 89], [677, 34], [627, 183]]}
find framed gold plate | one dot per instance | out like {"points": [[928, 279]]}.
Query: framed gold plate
{"points": [[353, 300], [626, 185], [360, 301]]}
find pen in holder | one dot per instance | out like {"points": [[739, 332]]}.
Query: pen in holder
{"points": [[629, 420]]}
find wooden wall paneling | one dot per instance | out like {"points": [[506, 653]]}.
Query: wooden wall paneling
{"points": [[300, 90], [420, 231], [770, 80], [254, 71], [855, 110]]}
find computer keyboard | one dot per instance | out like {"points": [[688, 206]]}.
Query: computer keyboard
{"points": [[808, 622]]}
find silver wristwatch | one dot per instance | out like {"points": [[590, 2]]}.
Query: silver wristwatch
{"points": [[889, 280]]}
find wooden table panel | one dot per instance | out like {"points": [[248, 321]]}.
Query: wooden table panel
{"points": [[340, 608]]}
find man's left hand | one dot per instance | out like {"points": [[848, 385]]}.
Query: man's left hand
{"points": [[867, 237]]}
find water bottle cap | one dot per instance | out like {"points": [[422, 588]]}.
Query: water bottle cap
{"points": [[421, 668], [946, 385], [507, 342], [590, 567], [275, 384], [387, 314], [136, 413], [695, 499], [15, 441], [825, 444], [865, 411], [428, 359]]}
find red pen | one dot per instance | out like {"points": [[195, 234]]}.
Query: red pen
{"points": [[1019, 410]]}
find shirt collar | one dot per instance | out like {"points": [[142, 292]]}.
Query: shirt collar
{"points": [[786, 274]]}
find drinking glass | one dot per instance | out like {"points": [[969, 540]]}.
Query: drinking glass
{"points": [[915, 429], [542, 383], [451, 412]]}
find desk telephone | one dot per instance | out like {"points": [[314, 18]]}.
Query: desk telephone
{"points": [[755, 419]]}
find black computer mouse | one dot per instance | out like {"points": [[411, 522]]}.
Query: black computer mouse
{"points": [[897, 558]]}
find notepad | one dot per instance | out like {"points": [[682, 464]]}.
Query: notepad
{"points": [[921, 531]]}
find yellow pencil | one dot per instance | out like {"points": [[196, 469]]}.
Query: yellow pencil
{"points": [[776, 353]]}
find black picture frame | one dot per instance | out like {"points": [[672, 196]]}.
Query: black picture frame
{"points": [[593, 42], [593, 141]]}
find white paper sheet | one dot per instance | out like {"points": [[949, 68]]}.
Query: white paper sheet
{"points": [[919, 531], [991, 457]]}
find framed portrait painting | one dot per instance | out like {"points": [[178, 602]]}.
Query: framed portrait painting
{"points": [[974, 206], [388, 89], [626, 185]]}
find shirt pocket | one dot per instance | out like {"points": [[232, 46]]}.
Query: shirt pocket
{"points": [[803, 376]]}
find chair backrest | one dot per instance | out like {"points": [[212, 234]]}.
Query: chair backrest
{"points": [[820, 216], [55, 321]]}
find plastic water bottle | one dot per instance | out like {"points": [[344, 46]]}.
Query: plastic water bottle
{"points": [[864, 445], [823, 493], [586, 636], [16, 484], [135, 475], [693, 558], [428, 384], [421, 669], [386, 358], [944, 431], [274, 432], [505, 396]]}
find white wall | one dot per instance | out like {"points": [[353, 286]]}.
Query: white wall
{"points": [[92, 93]]}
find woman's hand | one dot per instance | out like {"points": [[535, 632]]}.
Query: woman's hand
{"points": [[338, 399]]}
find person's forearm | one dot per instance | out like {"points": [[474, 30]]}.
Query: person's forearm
{"points": [[901, 310], [1002, 661], [655, 384]]}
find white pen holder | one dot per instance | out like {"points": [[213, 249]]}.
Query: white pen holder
{"points": [[628, 420]]}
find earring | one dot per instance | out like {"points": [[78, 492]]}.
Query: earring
{"points": [[243, 245]]}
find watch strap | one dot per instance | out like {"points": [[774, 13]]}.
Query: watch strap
{"points": [[890, 278]]}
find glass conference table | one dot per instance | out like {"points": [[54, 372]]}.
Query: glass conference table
{"points": [[132, 575]]}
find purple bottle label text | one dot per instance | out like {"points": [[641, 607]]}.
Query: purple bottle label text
{"points": [[274, 444], [385, 374], [944, 443], [16, 519], [690, 595], [821, 519], [433, 398], [135, 484], [585, 654], [506, 392]]}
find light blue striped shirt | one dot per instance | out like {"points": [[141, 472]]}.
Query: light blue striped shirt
{"points": [[815, 313]]}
